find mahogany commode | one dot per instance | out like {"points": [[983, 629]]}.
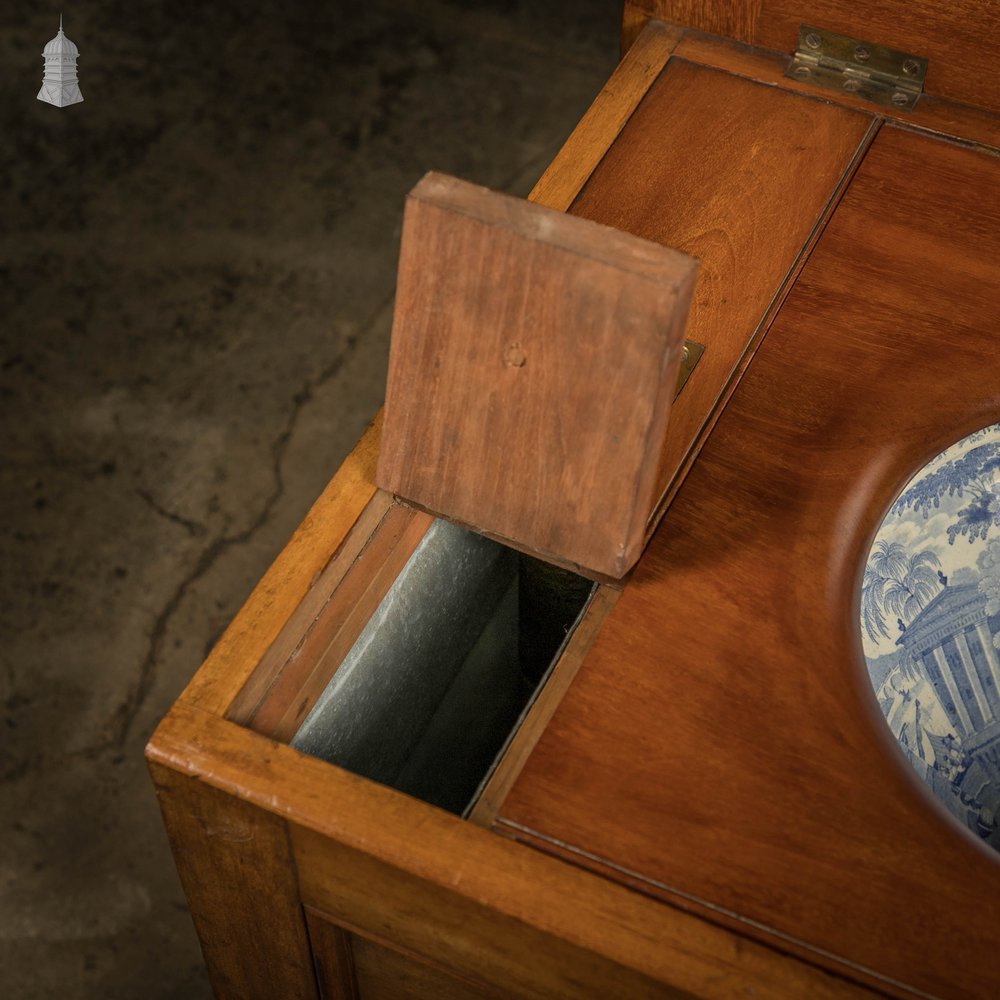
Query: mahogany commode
{"points": [[695, 792]]}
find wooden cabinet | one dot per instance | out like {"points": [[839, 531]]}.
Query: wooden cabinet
{"points": [[690, 790]]}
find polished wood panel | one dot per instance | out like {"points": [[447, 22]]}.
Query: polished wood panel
{"points": [[382, 864], [721, 744], [236, 867], [743, 195], [606, 117], [517, 333]]}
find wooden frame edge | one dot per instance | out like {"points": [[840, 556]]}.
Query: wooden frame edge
{"points": [[537, 718], [606, 117], [237, 868], [735, 19], [465, 865]]}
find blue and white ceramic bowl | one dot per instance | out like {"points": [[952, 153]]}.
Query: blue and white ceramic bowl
{"points": [[930, 624]]}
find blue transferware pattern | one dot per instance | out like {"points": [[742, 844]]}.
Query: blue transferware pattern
{"points": [[930, 625]]}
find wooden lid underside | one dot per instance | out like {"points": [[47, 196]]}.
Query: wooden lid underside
{"points": [[533, 361]]}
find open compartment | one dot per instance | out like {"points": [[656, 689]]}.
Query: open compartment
{"points": [[435, 684], [418, 680]]}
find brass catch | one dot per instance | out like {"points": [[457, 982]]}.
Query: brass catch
{"points": [[689, 360]]}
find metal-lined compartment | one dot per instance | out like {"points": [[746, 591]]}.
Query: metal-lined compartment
{"points": [[436, 683]]}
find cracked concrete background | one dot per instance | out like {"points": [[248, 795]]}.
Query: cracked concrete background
{"points": [[196, 277]]}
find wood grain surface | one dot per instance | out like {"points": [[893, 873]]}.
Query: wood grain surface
{"points": [[379, 863], [959, 39], [606, 117], [519, 332], [383, 973], [235, 864], [730, 18], [743, 195], [333, 958], [721, 744]]}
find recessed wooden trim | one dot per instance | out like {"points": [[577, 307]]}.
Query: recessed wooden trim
{"points": [[303, 619], [332, 957], [401, 967], [320, 639], [537, 718]]}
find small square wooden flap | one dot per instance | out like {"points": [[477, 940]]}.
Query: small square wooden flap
{"points": [[533, 361]]}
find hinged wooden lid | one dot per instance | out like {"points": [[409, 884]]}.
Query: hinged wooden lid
{"points": [[533, 362]]}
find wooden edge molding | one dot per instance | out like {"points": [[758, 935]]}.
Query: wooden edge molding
{"points": [[236, 865], [302, 623], [282, 588], [366, 848], [606, 117], [729, 18], [304, 676], [537, 718]]}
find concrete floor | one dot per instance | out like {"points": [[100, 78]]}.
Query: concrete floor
{"points": [[196, 277]]}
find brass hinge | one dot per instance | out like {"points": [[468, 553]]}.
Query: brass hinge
{"points": [[873, 72]]}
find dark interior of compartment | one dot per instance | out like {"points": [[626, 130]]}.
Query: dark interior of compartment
{"points": [[438, 679]]}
